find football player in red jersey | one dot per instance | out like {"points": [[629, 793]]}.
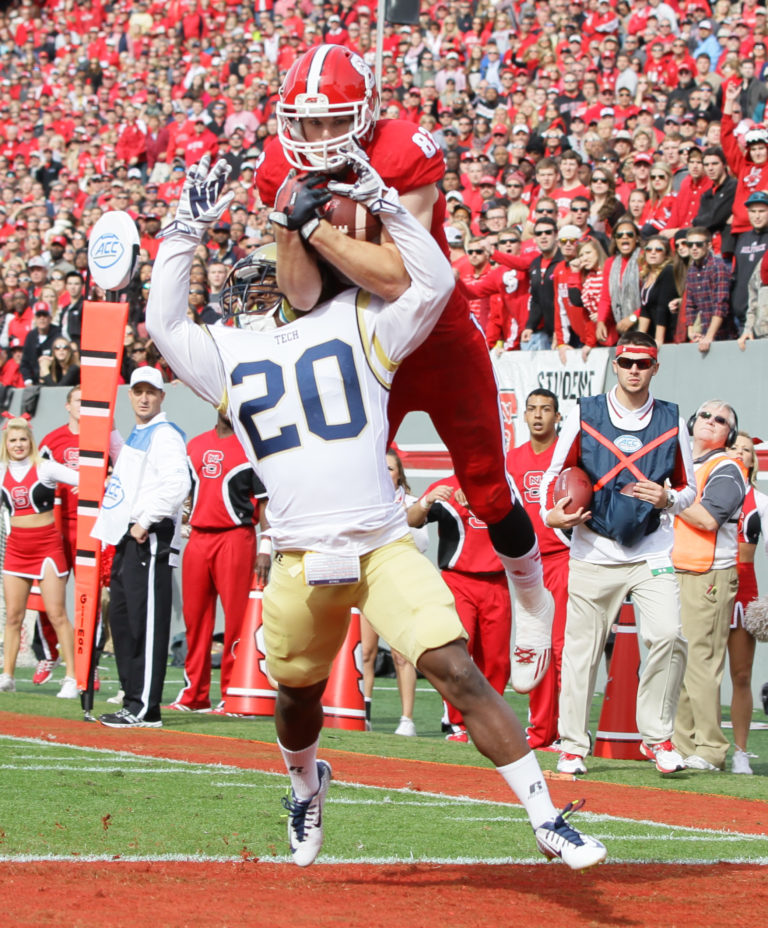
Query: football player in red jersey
{"points": [[527, 464], [328, 122]]}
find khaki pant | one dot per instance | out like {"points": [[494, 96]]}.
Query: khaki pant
{"points": [[706, 604], [595, 595]]}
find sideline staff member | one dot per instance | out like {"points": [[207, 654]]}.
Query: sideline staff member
{"points": [[705, 556], [141, 514], [635, 450]]}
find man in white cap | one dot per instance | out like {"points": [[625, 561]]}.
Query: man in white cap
{"points": [[141, 515]]}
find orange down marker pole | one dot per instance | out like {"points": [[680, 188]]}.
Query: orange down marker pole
{"points": [[100, 359]]}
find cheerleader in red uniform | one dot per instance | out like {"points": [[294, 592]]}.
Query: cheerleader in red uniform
{"points": [[741, 645], [34, 549]]}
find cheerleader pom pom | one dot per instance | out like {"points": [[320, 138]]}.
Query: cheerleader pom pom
{"points": [[756, 618]]}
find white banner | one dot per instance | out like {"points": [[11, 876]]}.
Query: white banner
{"points": [[519, 372]]}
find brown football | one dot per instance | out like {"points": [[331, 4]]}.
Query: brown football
{"points": [[352, 219], [573, 482]]}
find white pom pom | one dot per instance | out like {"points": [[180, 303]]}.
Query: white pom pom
{"points": [[756, 618]]}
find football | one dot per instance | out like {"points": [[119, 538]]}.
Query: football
{"points": [[573, 482], [353, 219]]}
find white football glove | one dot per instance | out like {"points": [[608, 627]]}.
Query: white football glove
{"points": [[369, 188], [201, 202]]}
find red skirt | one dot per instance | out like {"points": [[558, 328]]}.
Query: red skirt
{"points": [[29, 550], [747, 592]]}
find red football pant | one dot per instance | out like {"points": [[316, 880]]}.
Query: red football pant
{"points": [[543, 707], [216, 564], [450, 377], [485, 610]]}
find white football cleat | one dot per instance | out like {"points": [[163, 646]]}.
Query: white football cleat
{"points": [[305, 819], [559, 839]]}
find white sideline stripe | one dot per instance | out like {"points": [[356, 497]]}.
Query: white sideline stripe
{"points": [[351, 784], [619, 735], [245, 691], [285, 860]]}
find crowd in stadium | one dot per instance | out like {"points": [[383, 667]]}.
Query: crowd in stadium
{"points": [[606, 166]]}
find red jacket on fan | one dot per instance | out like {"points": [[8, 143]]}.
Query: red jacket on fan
{"points": [[750, 177]]}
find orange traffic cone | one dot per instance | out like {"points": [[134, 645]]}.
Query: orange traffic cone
{"points": [[35, 599], [343, 702], [617, 734], [249, 691]]}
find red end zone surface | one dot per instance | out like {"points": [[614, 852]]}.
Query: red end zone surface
{"points": [[171, 895]]}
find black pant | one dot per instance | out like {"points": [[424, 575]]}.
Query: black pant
{"points": [[140, 617]]}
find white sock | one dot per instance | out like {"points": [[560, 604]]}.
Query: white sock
{"points": [[302, 769], [526, 780], [527, 576]]}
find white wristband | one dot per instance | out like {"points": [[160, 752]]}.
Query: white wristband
{"points": [[309, 227], [265, 545], [425, 504]]}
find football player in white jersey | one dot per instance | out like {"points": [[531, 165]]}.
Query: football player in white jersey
{"points": [[307, 396]]}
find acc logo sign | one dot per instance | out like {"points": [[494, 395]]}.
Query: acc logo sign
{"points": [[114, 494], [106, 251], [628, 443]]}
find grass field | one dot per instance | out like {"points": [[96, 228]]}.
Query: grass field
{"points": [[101, 803]]}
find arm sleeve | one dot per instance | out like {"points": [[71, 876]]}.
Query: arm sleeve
{"points": [[486, 285], [566, 454], [604, 303], [51, 472], [683, 480], [516, 262], [733, 154], [187, 347], [404, 324], [724, 493]]}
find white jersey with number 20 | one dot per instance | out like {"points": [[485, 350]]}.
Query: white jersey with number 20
{"points": [[310, 398]]}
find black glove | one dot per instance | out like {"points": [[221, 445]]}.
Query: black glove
{"points": [[298, 202]]}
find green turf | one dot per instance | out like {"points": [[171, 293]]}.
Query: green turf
{"points": [[90, 802], [105, 804]]}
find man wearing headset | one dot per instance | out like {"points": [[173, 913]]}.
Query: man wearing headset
{"points": [[705, 555]]}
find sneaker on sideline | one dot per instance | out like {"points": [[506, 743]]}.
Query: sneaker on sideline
{"points": [[182, 707], [694, 762], [7, 683], [406, 727], [664, 755], [560, 839], [68, 689], [44, 671], [740, 762], [117, 699], [571, 763], [459, 734], [125, 719], [305, 819], [533, 646]]}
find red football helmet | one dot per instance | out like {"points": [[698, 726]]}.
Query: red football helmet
{"points": [[328, 80]]}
